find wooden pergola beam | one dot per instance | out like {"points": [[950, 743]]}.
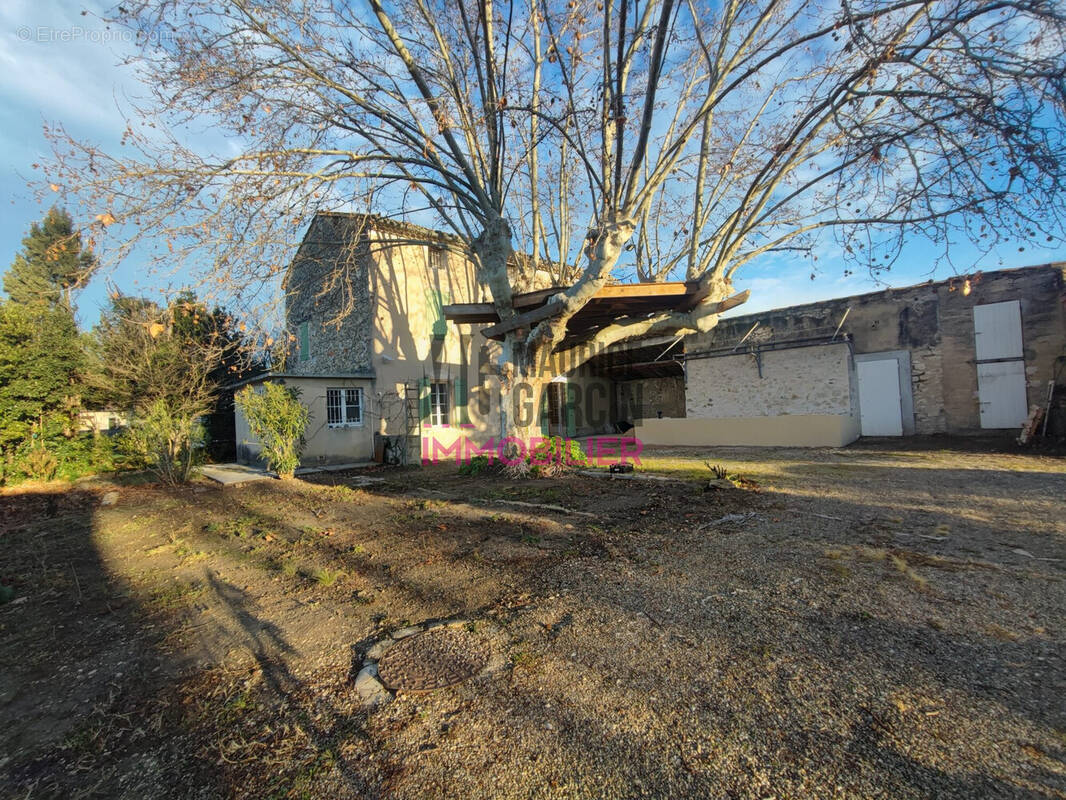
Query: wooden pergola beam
{"points": [[732, 302], [608, 304], [470, 313], [523, 320]]}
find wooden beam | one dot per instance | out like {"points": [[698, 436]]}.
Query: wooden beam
{"points": [[486, 312], [523, 320], [607, 304], [636, 364], [466, 313], [669, 288], [733, 302], [530, 299]]}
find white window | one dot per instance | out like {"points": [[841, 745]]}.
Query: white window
{"points": [[438, 404], [344, 407], [436, 258]]}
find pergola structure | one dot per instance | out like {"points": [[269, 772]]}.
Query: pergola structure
{"points": [[610, 304]]}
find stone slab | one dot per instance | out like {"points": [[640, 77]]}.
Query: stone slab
{"points": [[233, 474]]}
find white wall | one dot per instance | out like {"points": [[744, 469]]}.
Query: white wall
{"points": [[805, 397], [325, 445], [799, 380]]}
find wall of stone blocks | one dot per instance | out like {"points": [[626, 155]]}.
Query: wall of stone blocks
{"points": [[650, 398], [927, 385], [813, 380], [1040, 294], [934, 322], [327, 286]]}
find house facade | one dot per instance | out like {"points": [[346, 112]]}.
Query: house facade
{"points": [[961, 356], [387, 324], [376, 362]]}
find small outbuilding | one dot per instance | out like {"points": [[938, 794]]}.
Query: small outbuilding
{"points": [[969, 354]]}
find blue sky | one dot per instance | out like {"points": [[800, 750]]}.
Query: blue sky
{"points": [[58, 65]]}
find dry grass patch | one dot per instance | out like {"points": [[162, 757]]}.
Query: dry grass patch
{"points": [[892, 559]]}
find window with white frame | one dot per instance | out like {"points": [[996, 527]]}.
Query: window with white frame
{"points": [[438, 404], [344, 407], [436, 258]]}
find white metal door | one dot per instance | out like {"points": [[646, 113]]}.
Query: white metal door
{"points": [[997, 329], [880, 409], [1001, 392]]}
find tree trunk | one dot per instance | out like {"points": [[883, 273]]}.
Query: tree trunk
{"points": [[494, 250], [522, 399]]}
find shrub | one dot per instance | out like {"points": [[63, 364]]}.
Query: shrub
{"points": [[39, 463], [55, 452], [84, 454], [559, 454], [551, 457], [169, 441], [475, 466], [278, 420]]}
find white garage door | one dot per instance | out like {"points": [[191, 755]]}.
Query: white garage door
{"points": [[1001, 389], [880, 409], [997, 329]]}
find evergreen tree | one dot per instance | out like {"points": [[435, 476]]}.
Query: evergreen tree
{"points": [[51, 265], [41, 353], [40, 358]]}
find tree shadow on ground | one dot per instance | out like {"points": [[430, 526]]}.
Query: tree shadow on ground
{"points": [[278, 729], [83, 668]]}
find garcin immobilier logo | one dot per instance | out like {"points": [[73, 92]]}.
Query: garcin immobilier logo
{"points": [[603, 451], [583, 403]]}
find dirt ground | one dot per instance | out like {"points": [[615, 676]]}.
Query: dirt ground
{"points": [[862, 622]]}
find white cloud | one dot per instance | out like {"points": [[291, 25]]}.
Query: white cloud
{"points": [[57, 64]]}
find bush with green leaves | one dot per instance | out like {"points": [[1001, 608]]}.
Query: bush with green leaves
{"points": [[169, 441], [278, 420], [548, 458], [55, 449], [554, 456], [85, 454], [475, 466], [39, 463]]}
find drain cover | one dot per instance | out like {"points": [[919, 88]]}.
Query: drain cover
{"points": [[432, 660]]}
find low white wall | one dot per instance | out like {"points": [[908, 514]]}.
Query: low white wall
{"points": [[790, 430]]}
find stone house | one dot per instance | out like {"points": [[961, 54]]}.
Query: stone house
{"points": [[387, 322], [964, 355], [381, 369]]}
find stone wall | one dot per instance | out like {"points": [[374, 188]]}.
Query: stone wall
{"points": [[651, 398], [802, 380], [1041, 296], [934, 322], [327, 286]]}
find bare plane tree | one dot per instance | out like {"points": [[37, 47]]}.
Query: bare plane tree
{"points": [[681, 138]]}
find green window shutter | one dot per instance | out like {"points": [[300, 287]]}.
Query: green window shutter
{"points": [[305, 341], [436, 301], [461, 415], [424, 408], [544, 410]]}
